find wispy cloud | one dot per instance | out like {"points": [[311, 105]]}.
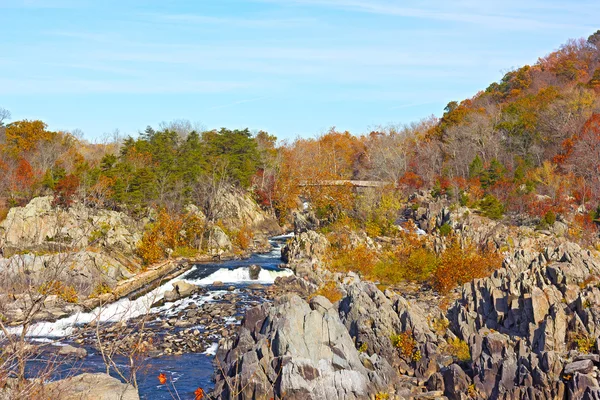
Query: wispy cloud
{"points": [[246, 22], [437, 11]]}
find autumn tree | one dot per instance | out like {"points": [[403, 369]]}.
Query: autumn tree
{"points": [[584, 156]]}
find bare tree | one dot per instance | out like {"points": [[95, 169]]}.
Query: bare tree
{"points": [[4, 115]]}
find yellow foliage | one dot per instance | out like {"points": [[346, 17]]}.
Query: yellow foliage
{"points": [[330, 291], [175, 232], [244, 237], [100, 289], [406, 344], [459, 349], [65, 292]]}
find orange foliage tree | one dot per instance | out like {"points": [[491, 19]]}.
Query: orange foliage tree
{"points": [[461, 264]]}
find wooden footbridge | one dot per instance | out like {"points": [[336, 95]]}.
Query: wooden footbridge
{"points": [[364, 184]]}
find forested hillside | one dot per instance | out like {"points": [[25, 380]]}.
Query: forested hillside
{"points": [[527, 147]]}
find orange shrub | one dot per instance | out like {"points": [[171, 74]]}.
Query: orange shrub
{"points": [[162, 235], [406, 345], [459, 265], [244, 237]]}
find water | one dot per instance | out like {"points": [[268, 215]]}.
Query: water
{"points": [[185, 372]]}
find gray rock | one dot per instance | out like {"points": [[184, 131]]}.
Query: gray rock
{"points": [[583, 367], [456, 382], [311, 355], [217, 241]]}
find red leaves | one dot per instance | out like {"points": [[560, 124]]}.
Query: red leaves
{"points": [[24, 175], [65, 190], [199, 394]]}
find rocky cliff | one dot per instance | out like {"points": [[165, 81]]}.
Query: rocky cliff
{"points": [[40, 227]]}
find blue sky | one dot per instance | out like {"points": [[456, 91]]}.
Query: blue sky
{"points": [[291, 67]]}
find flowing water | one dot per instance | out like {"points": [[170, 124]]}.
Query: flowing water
{"points": [[187, 371]]}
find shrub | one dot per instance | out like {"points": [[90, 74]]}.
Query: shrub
{"points": [[170, 231], [330, 291], [358, 259], [405, 343], [64, 191], [459, 349], [550, 217], [65, 292], [100, 289], [99, 233], [445, 230], [491, 207], [459, 265], [244, 237], [584, 343], [185, 252]]}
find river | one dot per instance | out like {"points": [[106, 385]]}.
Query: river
{"points": [[185, 372]]}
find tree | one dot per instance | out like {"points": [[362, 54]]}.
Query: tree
{"points": [[65, 190], [584, 157], [4, 115], [23, 136], [594, 38]]}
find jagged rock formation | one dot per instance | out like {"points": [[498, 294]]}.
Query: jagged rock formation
{"points": [[301, 350], [530, 320]]}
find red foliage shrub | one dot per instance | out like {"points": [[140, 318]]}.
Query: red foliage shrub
{"points": [[65, 190]]}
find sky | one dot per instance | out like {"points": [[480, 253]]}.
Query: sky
{"points": [[290, 67]]}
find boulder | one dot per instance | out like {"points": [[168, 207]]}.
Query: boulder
{"points": [[180, 290], [71, 351], [91, 387], [218, 241], [582, 366], [254, 271]]}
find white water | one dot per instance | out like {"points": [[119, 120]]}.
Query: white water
{"points": [[240, 275], [125, 309]]}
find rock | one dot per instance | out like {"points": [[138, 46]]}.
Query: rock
{"points": [[180, 290], [71, 351], [305, 221], [583, 367], [238, 208], [308, 245], [456, 382], [91, 387], [217, 241], [41, 227], [254, 271], [311, 355]]}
